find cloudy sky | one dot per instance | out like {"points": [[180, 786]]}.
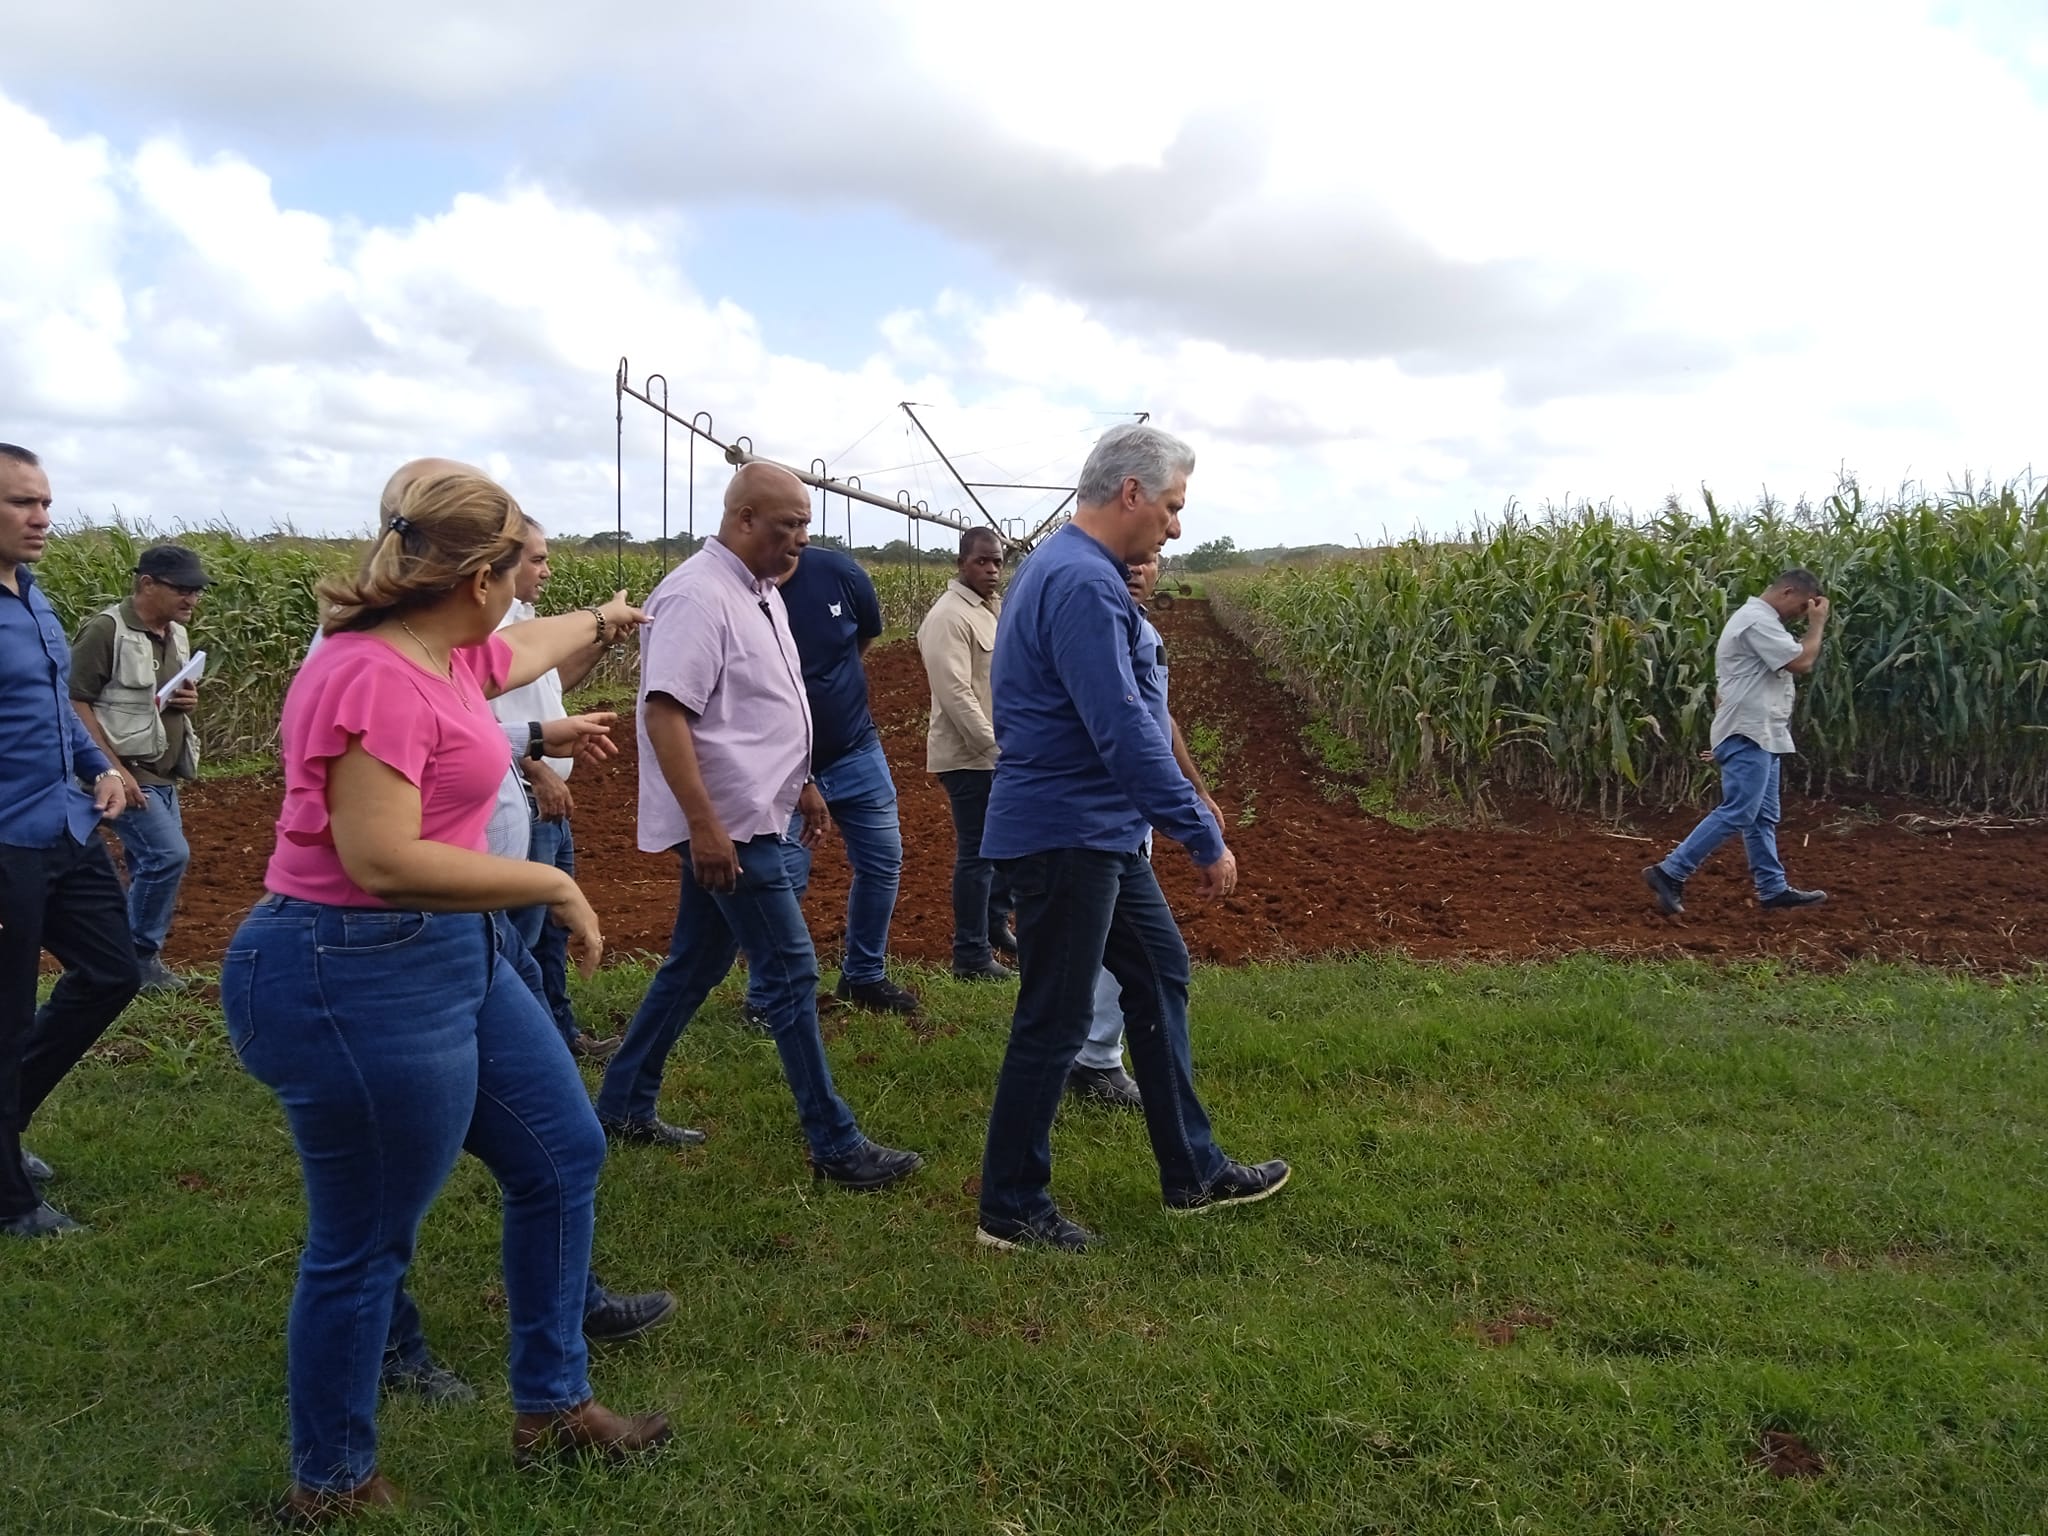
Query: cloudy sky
{"points": [[1386, 266]]}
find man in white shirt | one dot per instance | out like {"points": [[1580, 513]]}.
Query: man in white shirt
{"points": [[1754, 665], [549, 804]]}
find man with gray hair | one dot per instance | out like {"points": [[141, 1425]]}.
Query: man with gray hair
{"points": [[1085, 768]]}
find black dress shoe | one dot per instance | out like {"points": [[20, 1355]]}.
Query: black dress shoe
{"points": [[1791, 897], [651, 1132], [868, 1166], [1670, 893], [882, 996], [1052, 1230], [428, 1380], [1111, 1087], [992, 970], [38, 1171], [1005, 941], [617, 1318], [1235, 1185], [44, 1221], [590, 1048]]}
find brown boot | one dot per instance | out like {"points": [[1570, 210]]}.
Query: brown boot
{"points": [[305, 1509], [589, 1429]]}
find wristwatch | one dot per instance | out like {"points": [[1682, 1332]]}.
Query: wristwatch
{"points": [[534, 748]]}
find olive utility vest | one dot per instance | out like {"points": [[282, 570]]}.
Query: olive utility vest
{"points": [[127, 708]]}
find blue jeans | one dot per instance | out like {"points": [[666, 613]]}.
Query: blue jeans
{"points": [[395, 1039], [862, 799], [981, 909], [405, 1342], [1078, 910], [554, 843], [153, 847], [763, 915], [1104, 1049], [1749, 806]]}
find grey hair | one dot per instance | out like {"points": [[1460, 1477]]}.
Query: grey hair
{"points": [[1132, 451]]}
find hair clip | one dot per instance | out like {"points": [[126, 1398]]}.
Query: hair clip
{"points": [[399, 524]]}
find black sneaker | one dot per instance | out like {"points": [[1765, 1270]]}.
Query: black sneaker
{"points": [[651, 1132], [44, 1221], [38, 1171], [1052, 1230], [882, 996], [1792, 897], [158, 977], [868, 1166], [988, 970], [1670, 893], [590, 1048], [428, 1380], [1111, 1087], [618, 1318], [1235, 1185], [756, 1018], [1004, 943]]}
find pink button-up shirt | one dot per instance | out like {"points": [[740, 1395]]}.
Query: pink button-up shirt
{"points": [[717, 641]]}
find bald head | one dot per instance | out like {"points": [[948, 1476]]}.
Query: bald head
{"points": [[394, 488], [767, 513]]}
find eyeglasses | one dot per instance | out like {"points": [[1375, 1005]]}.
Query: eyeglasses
{"points": [[181, 590]]}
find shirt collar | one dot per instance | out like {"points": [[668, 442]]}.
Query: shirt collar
{"points": [[966, 592], [733, 565]]}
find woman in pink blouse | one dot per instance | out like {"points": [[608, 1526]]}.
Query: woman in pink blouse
{"points": [[364, 989]]}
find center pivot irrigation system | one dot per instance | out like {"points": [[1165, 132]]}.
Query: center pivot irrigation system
{"points": [[1016, 536]]}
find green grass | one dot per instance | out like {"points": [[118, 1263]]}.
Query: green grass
{"points": [[1719, 1203]]}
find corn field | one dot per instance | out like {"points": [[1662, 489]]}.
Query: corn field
{"points": [[259, 613], [1573, 654]]}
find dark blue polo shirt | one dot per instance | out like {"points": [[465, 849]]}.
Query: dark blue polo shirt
{"points": [[44, 747], [1085, 761], [832, 608]]}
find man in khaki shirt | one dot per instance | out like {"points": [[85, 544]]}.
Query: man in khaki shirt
{"points": [[957, 641]]}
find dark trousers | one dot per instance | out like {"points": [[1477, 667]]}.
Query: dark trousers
{"points": [[1080, 910], [65, 899], [981, 904]]}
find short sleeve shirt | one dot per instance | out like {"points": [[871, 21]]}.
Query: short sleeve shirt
{"points": [[1755, 690], [92, 668], [440, 734], [717, 641], [832, 608]]}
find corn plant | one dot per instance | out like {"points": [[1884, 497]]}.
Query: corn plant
{"points": [[1573, 653]]}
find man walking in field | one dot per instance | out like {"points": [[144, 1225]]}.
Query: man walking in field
{"points": [[725, 755], [1754, 666], [119, 660], [956, 641], [1099, 1076], [834, 616], [58, 890], [1084, 769]]}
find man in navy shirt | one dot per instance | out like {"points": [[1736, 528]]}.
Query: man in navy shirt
{"points": [[58, 890], [1084, 769], [834, 616]]}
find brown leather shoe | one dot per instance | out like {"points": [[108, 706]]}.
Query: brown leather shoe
{"points": [[590, 1429], [306, 1509]]}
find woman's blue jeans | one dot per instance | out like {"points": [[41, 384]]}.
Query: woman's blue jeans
{"points": [[395, 1039]]}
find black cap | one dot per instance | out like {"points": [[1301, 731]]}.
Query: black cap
{"points": [[173, 565]]}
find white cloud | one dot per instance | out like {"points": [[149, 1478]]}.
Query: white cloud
{"points": [[1381, 263]]}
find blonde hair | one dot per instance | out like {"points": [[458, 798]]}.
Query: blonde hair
{"points": [[437, 530]]}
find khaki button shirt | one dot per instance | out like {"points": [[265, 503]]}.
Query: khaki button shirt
{"points": [[957, 641]]}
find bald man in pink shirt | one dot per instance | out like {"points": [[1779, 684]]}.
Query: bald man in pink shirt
{"points": [[725, 750]]}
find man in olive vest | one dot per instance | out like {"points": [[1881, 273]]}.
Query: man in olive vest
{"points": [[120, 660]]}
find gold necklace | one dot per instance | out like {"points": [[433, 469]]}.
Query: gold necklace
{"points": [[446, 670]]}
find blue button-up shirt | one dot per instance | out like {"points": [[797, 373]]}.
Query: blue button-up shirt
{"points": [[44, 747], [1085, 761]]}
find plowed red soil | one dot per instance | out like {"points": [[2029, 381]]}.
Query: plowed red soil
{"points": [[1319, 876]]}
